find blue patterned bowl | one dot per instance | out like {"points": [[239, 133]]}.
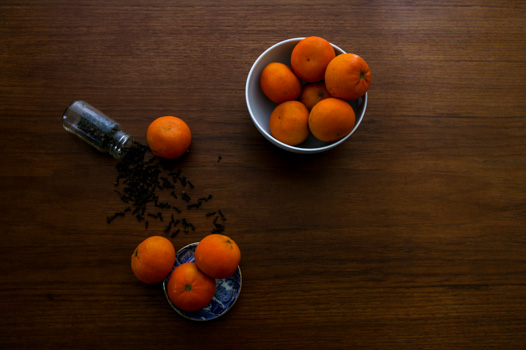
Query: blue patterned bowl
{"points": [[227, 290]]}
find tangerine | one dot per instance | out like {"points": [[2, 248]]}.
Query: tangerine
{"points": [[313, 93], [279, 83], [331, 119], [348, 77], [168, 137], [217, 255], [153, 259], [289, 122], [310, 58], [189, 288]]}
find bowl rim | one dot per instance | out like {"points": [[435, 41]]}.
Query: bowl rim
{"points": [[278, 143]]}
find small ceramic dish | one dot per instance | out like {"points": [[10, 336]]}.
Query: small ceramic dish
{"points": [[227, 290]]}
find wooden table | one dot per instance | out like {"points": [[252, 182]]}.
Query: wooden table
{"points": [[409, 235]]}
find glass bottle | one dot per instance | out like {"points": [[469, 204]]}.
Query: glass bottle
{"points": [[97, 129]]}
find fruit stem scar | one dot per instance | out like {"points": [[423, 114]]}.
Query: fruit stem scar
{"points": [[188, 287], [136, 252]]}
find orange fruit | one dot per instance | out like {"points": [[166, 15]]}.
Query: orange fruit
{"points": [[289, 122], [189, 288], [217, 256], [313, 93], [310, 58], [331, 119], [279, 83], [153, 259], [168, 137], [348, 77]]}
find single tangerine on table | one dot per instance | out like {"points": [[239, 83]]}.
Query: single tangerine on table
{"points": [[279, 83], [310, 58], [313, 93], [153, 259], [289, 122], [168, 137], [217, 255], [331, 119], [189, 288], [348, 77]]}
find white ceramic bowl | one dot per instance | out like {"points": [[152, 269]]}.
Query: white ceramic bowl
{"points": [[260, 106]]}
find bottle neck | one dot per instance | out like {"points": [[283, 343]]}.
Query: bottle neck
{"points": [[120, 144]]}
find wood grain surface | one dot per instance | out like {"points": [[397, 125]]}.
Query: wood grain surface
{"points": [[410, 235]]}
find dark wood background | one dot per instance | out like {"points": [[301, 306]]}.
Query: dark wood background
{"points": [[410, 235]]}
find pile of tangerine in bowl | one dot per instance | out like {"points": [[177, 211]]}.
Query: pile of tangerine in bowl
{"points": [[261, 107]]}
